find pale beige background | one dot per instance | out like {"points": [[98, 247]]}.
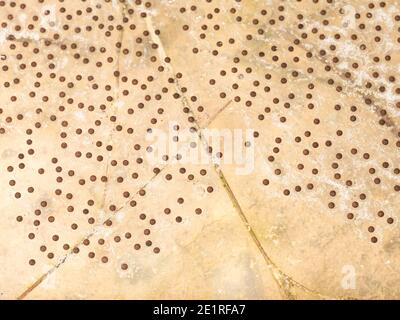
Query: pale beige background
{"points": [[251, 241]]}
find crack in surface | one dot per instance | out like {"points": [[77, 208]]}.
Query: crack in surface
{"points": [[94, 231], [216, 114], [106, 185], [115, 100], [284, 282], [282, 279]]}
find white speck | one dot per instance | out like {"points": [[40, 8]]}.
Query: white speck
{"points": [[120, 104], [80, 115]]}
